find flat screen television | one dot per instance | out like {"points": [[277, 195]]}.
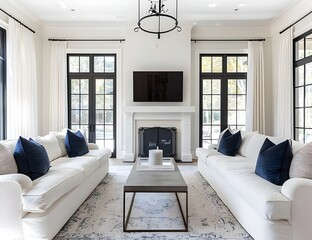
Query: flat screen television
{"points": [[157, 86]]}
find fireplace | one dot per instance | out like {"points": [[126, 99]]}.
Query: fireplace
{"points": [[152, 137]]}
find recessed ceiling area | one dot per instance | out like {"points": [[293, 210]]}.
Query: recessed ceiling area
{"points": [[122, 12]]}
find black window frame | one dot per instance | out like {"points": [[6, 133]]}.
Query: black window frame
{"points": [[3, 81], [224, 76], [92, 92], [296, 64]]}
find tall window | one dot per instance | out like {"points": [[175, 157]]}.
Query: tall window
{"points": [[303, 87], [92, 97], [2, 83], [223, 82]]}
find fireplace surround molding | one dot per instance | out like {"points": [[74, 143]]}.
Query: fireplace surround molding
{"points": [[158, 113]]}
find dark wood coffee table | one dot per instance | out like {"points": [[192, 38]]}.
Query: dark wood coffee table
{"points": [[155, 182]]}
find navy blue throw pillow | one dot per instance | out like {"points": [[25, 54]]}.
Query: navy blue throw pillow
{"points": [[274, 161], [230, 143], [75, 144], [31, 158]]}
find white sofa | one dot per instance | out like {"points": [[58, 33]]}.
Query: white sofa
{"points": [[265, 210], [38, 209]]}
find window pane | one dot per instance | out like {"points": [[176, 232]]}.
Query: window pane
{"points": [[206, 86], [75, 117], [99, 132], [84, 64], [216, 102], [109, 117], [109, 102], [308, 96], [241, 86], [207, 102], [206, 132], [242, 64], [99, 102], [299, 97], [241, 102], [231, 64], [308, 118], [109, 86], [74, 64], [100, 116], [231, 86], [84, 101], [206, 117], [206, 64], [216, 86], [309, 45], [309, 73], [308, 136], [109, 132], [99, 64], [299, 135], [299, 78], [216, 64], [75, 102], [84, 86], [300, 49], [232, 117], [299, 117], [109, 64], [84, 116], [215, 132], [241, 117], [232, 102], [109, 144], [216, 116], [99, 86], [206, 143], [75, 86]]}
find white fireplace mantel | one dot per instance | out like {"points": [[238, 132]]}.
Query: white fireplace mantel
{"points": [[158, 113]]}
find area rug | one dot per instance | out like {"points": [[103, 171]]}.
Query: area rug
{"points": [[100, 216]]}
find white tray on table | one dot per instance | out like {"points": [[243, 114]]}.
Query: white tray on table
{"points": [[167, 165]]}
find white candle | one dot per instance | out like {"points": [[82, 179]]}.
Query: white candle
{"points": [[155, 157]]}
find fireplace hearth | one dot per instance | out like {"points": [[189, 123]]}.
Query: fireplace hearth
{"points": [[162, 137]]}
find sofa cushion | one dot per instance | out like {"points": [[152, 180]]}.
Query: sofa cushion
{"points": [[7, 161], [85, 164], [31, 158], [49, 188], [274, 161], [103, 153], [51, 145], [246, 136], [75, 143], [230, 143], [301, 165], [264, 197]]}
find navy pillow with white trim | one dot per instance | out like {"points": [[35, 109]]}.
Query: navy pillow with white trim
{"points": [[230, 143]]}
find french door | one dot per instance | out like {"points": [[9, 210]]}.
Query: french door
{"points": [[92, 97]]}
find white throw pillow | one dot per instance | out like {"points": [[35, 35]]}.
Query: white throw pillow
{"points": [[7, 161], [51, 145], [301, 164]]}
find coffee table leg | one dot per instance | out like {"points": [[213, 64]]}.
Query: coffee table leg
{"points": [[126, 220], [185, 217]]}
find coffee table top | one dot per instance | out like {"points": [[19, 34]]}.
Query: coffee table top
{"points": [[155, 181]]}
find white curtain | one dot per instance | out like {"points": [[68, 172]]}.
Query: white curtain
{"points": [[255, 88], [58, 87], [22, 108], [285, 85]]}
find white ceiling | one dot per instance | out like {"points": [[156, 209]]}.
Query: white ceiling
{"points": [[121, 12]]}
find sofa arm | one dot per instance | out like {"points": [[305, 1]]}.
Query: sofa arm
{"points": [[11, 209], [299, 192], [92, 146], [204, 152]]}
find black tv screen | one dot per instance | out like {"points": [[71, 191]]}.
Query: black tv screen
{"points": [[157, 86]]}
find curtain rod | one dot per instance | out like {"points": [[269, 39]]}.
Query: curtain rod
{"points": [[86, 40], [296, 22], [17, 20], [226, 40]]}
